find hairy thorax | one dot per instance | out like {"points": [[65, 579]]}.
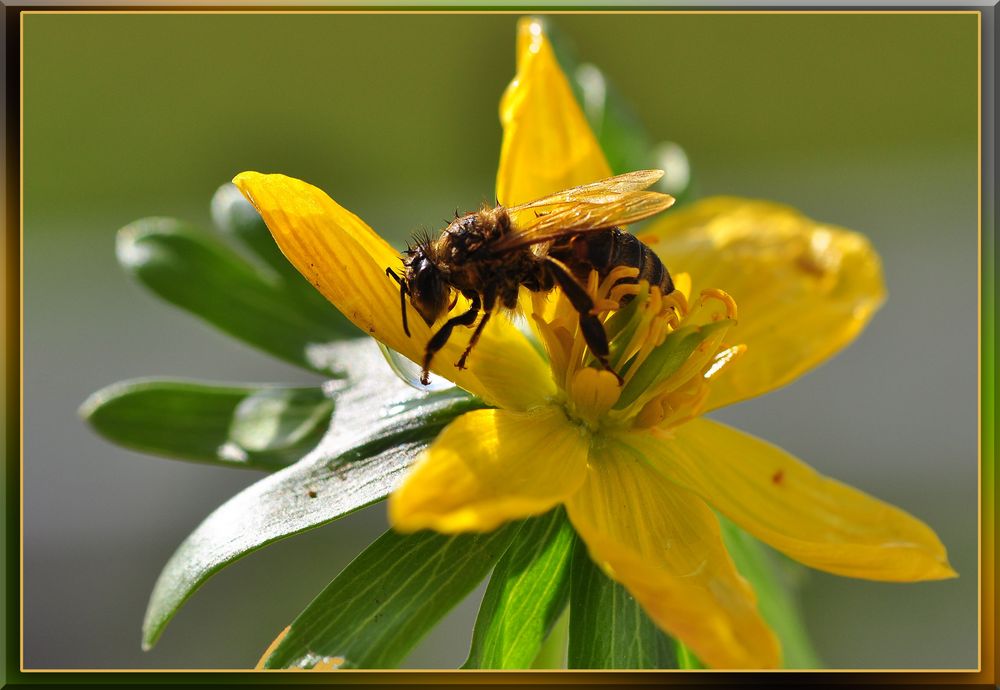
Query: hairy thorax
{"points": [[465, 254]]}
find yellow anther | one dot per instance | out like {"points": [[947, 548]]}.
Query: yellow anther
{"points": [[620, 291], [722, 296], [591, 393], [603, 305], [614, 275], [678, 302]]}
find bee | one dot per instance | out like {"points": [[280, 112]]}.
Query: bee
{"points": [[555, 241]]}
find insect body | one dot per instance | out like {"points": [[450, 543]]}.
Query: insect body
{"points": [[551, 242]]}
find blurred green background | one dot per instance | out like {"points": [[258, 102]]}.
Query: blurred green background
{"points": [[865, 121]]}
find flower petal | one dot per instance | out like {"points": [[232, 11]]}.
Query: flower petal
{"points": [[663, 544], [804, 289], [785, 503], [547, 144], [346, 261], [491, 466]]}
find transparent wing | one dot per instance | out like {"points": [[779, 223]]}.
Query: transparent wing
{"points": [[607, 188], [615, 201]]}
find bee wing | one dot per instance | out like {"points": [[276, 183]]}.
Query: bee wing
{"points": [[607, 188], [608, 203]]}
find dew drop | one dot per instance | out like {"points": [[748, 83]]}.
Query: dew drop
{"points": [[232, 452], [409, 371]]}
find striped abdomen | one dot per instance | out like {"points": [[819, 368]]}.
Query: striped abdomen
{"points": [[606, 249]]}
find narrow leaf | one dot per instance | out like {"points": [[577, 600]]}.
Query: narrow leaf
{"points": [[526, 595], [607, 627], [256, 427], [184, 267], [775, 594], [378, 426], [380, 606], [552, 654], [237, 218]]}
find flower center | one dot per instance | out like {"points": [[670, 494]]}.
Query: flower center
{"points": [[665, 348]]}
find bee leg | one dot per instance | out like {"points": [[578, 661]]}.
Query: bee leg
{"points": [[590, 325], [488, 304], [472, 341], [439, 339], [402, 298]]}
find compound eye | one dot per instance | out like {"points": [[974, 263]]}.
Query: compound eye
{"points": [[429, 291], [426, 277]]}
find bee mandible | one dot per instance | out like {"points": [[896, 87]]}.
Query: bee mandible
{"points": [[555, 241]]}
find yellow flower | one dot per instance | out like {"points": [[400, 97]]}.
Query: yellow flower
{"points": [[636, 466]]}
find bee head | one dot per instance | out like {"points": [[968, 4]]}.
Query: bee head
{"points": [[429, 292]]}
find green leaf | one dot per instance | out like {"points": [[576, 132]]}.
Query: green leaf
{"points": [[552, 654], [188, 269], [775, 597], [237, 218], [256, 427], [379, 607], [607, 627], [378, 427], [527, 592]]}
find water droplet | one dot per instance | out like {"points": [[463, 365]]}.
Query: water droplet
{"points": [[409, 371], [316, 662], [232, 452]]}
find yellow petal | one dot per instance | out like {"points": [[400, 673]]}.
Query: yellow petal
{"points": [[804, 289], [787, 504], [663, 544], [346, 261], [491, 466], [547, 144]]}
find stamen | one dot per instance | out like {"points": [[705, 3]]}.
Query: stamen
{"points": [[670, 409], [643, 341], [722, 296], [556, 340], [678, 300], [622, 290], [671, 387], [700, 340]]}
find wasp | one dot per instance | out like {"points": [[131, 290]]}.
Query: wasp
{"points": [[556, 241]]}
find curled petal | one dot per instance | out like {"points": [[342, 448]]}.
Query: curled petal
{"points": [[491, 466], [804, 289], [663, 544], [547, 144], [785, 503], [346, 261]]}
